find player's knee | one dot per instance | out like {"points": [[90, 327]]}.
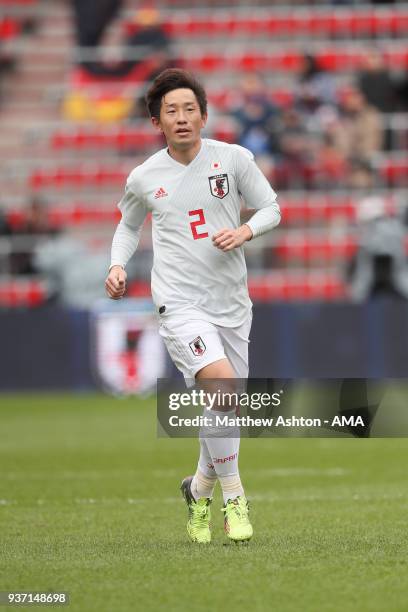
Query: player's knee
{"points": [[217, 370], [219, 382]]}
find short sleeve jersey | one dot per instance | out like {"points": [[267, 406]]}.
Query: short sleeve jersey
{"points": [[189, 204]]}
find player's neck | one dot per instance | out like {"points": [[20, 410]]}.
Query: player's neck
{"points": [[186, 156]]}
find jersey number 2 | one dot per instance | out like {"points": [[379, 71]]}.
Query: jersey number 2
{"points": [[195, 224]]}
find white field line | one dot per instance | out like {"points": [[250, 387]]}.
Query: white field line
{"points": [[168, 473], [268, 498], [298, 471]]}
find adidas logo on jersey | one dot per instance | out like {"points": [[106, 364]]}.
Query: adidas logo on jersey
{"points": [[160, 193]]}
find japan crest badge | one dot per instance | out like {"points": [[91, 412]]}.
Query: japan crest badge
{"points": [[197, 346], [219, 185]]}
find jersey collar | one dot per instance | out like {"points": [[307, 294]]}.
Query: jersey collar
{"points": [[179, 164]]}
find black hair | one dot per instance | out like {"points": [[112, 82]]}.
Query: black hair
{"points": [[168, 80]]}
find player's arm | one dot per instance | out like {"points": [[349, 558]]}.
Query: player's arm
{"points": [[257, 194], [125, 242]]}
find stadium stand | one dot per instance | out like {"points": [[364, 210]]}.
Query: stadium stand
{"points": [[72, 136]]}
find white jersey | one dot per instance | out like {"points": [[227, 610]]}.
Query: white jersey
{"points": [[189, 204]]}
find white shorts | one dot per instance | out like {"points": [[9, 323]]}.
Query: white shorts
{"points": [[194, 344]]}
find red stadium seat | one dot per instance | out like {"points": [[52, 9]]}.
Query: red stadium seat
{"points": [[305, 248], [307, 211], [139, 289], [307, 21], [318, 23], [315, 209], [330, 58], [78, 177], [9, 28], [300, 286], [400, 22], [395, 171], [22, 293], [362, 23], [19, 3], [98, 138], [280, 286]]}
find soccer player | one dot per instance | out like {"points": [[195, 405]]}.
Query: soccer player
{"points": [[193, 189]]}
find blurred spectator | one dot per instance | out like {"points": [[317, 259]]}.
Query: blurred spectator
{"points": [[379, 89], [315, 102], [402, 92], [316, 87], [362, 175], [256, 116], [7, 65], [24, 234], [376, 84], [7, 62], [331, 168], [296, 151], [358, 134], [380, 266], [3, 224]]}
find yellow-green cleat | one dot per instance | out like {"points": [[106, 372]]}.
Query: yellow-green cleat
{"points": [[199, 514], [236, 520]]}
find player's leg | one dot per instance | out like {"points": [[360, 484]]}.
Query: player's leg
{"points": [[222, 442], [192, 345], [223, 446], [198, 492], [197, 350], [235, 341], [205, 478]]}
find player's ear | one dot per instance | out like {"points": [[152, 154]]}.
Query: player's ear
{"points": [[204, 119], [156, 124]]}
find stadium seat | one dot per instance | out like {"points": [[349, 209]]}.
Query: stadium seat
{"points": [[311, 209], [308, 211], [394, 171], [331, 58], [299, 286], [305, 21], [308, 248], [279, 286], [268, 39], [119, 138], [305, 248], [78, 177], [22, 293], [9, 28], [18, 3]]}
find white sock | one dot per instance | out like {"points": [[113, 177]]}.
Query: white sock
{"points": [[205, 477], [202, 486], [231, 487], [224, 451]]}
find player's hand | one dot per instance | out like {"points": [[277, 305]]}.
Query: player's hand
{"points": [[228, 239], [115, 283]]}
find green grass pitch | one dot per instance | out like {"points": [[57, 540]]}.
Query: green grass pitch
{"points": [[89, 504]]}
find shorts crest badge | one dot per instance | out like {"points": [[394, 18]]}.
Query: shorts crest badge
{"points": [[197, 346], [219, 185]]}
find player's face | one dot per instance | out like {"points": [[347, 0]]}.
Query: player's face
{"points": [[180, 119]]}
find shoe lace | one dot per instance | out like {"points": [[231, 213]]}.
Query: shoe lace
{"points": [[199, 513], [238, 507]]}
